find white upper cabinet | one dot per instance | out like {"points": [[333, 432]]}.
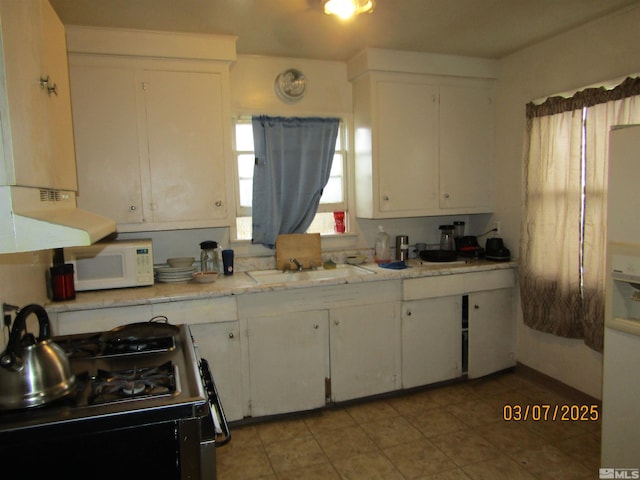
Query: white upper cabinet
{"points": [[467, 137], [407, 147], [105, 117], [35, 112], [424, 142], [153, 135]]}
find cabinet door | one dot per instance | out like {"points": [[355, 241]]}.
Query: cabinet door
{"points": [[106, 136], [365, 350], [219, 343], [185, 129], [491, 332], [407, 147], [288, 362], [58, 104], [466, 148], [37, 123], [431, 340]]}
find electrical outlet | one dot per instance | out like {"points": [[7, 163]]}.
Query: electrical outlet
{"points": [[497, 227]]}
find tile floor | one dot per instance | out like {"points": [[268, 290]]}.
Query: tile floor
{"points": [[446, 433]]}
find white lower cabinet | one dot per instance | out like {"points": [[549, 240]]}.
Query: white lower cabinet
{"points": [[219, 344], [365, 346], [308, 346], [491, 332], [431, 340], [215, 328], [288, 362]]}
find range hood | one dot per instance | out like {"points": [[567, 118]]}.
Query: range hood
{"points": [[42, 218]]}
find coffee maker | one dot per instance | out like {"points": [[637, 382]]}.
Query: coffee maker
{"points": [[496, 251]]}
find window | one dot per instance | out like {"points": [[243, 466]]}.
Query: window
{"points": [[333, 196], [562, 260]]}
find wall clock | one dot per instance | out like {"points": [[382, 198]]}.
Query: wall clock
{"points": [[290, 85]]}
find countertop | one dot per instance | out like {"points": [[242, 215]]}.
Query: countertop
{"points": [[241, 283]]}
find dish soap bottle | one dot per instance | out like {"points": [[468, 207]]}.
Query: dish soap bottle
{"points": [[383, 250]]}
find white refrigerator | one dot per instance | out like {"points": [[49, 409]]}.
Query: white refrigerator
{"points": [[621, 357]]}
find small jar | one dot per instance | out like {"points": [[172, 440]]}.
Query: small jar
{"points": [[446, 238], [209, 256]]}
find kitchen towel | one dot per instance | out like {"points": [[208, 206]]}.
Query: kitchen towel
{"points": [[394, 265]]}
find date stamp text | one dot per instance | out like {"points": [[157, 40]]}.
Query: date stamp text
{"points": [[550, 413]]}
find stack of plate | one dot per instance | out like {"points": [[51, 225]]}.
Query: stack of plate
{"points": [[167, 274]]}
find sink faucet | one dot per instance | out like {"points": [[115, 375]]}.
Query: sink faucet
{"points": [[298, 264]]}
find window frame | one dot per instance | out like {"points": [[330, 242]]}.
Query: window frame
{"points": [[342, 151]]}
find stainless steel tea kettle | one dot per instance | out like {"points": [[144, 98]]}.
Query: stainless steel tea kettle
{"points": [[33, 371]]}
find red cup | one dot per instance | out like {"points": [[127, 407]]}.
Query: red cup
{"points": [[338, 217]]}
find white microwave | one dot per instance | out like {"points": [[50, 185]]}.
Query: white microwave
{"points": [[111, 264]]}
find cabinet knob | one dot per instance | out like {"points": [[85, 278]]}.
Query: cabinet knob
{"points": [[231, 335], [336, 322], [219, 203], [408, 313], [385, 198], [132, 208], [315, 326], [477, 307], [446, 195]]}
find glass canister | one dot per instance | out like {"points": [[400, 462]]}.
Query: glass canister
{"points": [[458, 229], [209, 256], [447, 241]]}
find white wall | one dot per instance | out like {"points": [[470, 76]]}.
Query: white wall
{"points": [[606, 49], [23, 281]]}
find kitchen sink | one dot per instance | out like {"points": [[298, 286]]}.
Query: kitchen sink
{"points": [[288, 276]]}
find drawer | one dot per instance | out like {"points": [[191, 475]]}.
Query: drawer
{"points": [[430, 287], [193, 312], [317, 298], [492, 280], [99, 320]]}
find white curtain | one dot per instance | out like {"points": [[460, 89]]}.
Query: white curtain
{"points": [[562, 251], [549, 256]]}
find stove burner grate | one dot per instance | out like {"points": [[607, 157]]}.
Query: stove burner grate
{"points": [[134, 383], [141, 345], [93, 346]]}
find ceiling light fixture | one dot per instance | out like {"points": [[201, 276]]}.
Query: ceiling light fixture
{"points": [[346, 9]]}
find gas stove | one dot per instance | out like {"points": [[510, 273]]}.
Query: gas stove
{"points": [[153, 390]]}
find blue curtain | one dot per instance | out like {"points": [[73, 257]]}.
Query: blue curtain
{"points": [[293, 161]]}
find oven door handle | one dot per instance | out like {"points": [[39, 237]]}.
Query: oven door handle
{"points": [[216, 404]]}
